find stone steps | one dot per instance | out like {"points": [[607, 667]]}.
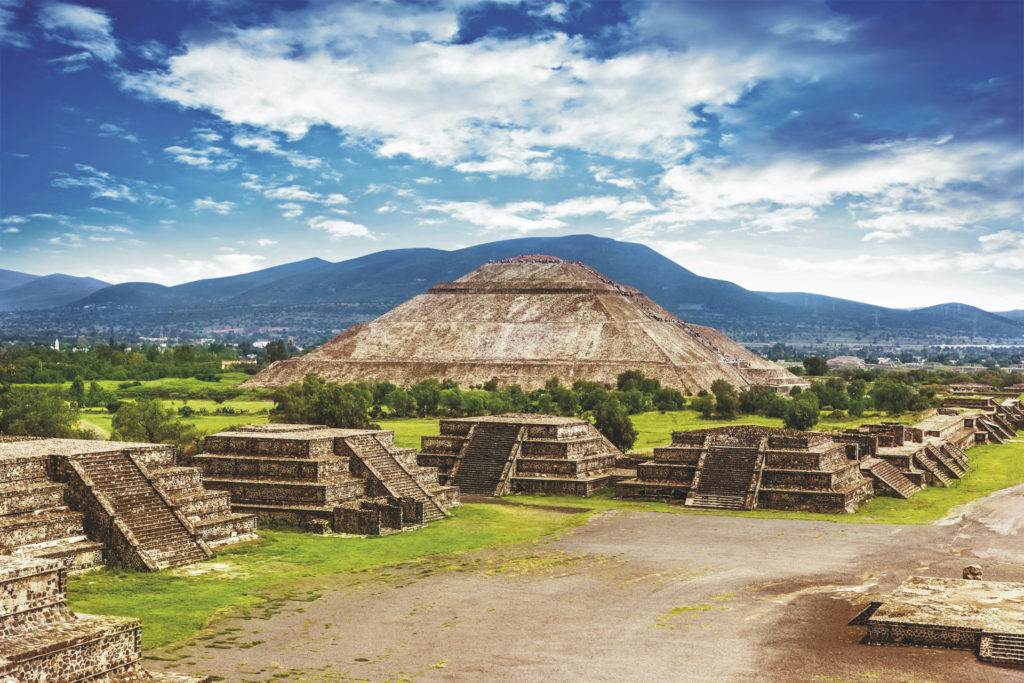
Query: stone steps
{"points": [[926, 463], [490, 448], [718, 502], [887, 473], [953, 468], [140, 507], [1002, 648], [393, 475]]}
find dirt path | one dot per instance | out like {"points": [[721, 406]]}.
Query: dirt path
{"points": [[630, 596]]}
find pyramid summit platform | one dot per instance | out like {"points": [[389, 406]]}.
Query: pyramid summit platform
{"points": [[523, 321]]}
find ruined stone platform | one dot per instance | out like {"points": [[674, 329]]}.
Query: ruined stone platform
{"points": [[85, 502], [744, 467], [497, 454], [984, 616], [345, 480], [41, 641]]}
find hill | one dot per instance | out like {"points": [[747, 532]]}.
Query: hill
{"points": [[49, 291], [315, 299]]}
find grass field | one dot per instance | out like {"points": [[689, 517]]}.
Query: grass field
{"points": [[173, 605]]}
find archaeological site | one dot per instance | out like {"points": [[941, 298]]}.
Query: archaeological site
{"points": [[523, 321]]}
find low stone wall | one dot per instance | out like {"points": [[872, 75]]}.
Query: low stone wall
{"points": [[688, 455], [562, 487], [222, 466], [897, 633], [285, 448], [528, 466], [667, 472]]}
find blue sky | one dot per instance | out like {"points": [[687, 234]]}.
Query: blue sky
{"points": [[868, 150]]}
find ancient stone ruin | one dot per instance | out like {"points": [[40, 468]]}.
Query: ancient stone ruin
{"points": [[744, 467], [42, 641], [499, 454], [345, 480], [85, 502], [966, 614], [526, 320]]}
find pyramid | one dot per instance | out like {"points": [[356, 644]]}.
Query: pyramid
{"points": [[525, 320]]}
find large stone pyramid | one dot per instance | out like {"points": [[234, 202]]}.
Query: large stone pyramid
{"points": [[523, 321]]}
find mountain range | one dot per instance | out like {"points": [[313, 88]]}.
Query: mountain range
{"points": [[314, 298]]}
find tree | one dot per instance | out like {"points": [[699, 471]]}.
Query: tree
{"points": [[276, 350], [147, 420], [629, 380], [816, 366], [667, 398], [313, 401], [401, 402], [705, 405], [612, 421], [77, 392], [32, 412], [802, 413], [727, 403], [892, 397]]}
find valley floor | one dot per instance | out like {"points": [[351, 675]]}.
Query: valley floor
{"points": [[627, 596]]}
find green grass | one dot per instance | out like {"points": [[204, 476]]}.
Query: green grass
{"points": [[653, 429], [992, 468], [409, 430], [248, 411], [174, 607]]}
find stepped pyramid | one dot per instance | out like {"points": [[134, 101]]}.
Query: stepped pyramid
{"points": [[42, 641], [523, 321]]}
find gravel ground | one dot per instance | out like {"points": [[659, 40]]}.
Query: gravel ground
{"points": [[630, 596]]}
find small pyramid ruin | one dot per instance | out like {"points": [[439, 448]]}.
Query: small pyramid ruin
{"points": [[523, 321]]}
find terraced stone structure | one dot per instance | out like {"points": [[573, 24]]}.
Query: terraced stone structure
{"points": [[498, 454], [41, 641], [523, 321], [85, 502], [983, 616], [744, 467], [342, 480]]}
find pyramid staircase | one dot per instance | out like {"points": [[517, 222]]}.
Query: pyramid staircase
{"points": [[953, 468], [890, 476], [995, 433], [1002, 648], [155, 535], [956, 453], [42, 641], [925, 462], [725, 476], [393, 475], [484, 469]]}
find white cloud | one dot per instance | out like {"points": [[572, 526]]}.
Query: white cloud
{"points": [[209, 158], [108, 186], [12, 220], [80, 27], [604, 174], [10, 230], [426, 180], [68, 239], [208, 204], [337, 228], [108, 130], [291, 209], [532, 216], [265, 242], [268, 145], [294, 193], [8, 36], [506, 104]]}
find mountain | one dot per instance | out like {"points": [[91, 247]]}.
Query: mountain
{"points": [[12, 278], [1017, 314], [314, 299], [49, 291]]}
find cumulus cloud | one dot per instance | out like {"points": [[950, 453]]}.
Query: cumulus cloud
{"points": [[83, 28], [293, 194], [507, 105], [524, 217], [291, 209], [337, 228], [208, 204]]}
